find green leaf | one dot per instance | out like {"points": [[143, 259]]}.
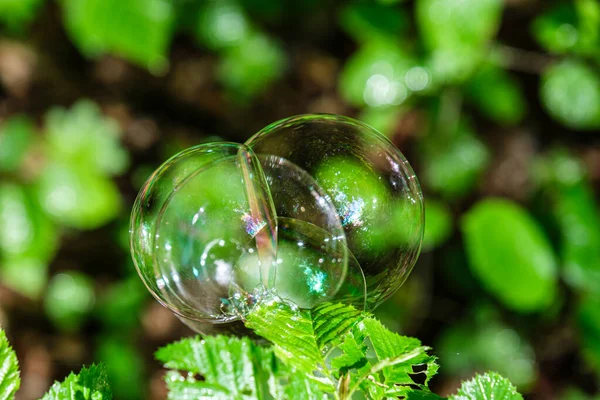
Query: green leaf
{"points": [[76, 197], [26, 231], [570, 92], [406, 352], [28, 241], [309, 341], [366, 20], [90, 384], [354, 353], [15, 138], [221, 24], [69, 298], [233, 374], [137, 30], [84, 138], [9, 369], [456, 33], [251, 67], [570, 27], [27, 276], [487, 386], [576, 210], [375, 75], [16, 14], [509, 253], [301, 344], [497, 95], [438, 223], [454, 161], [230, 368]]}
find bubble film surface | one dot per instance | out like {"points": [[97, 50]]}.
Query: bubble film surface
{"points": [[373, 188], [311, 209]]}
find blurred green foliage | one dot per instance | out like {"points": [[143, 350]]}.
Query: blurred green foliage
{"points": [[15, 138], [509, 253], [448, 80], [492, 346], [139, 30], [571, 93], [17, 14], [69, 298]]}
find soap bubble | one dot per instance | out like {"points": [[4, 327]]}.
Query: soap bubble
{"points": [[311, 209], [216, 229], [376, 193], [197, 215]]}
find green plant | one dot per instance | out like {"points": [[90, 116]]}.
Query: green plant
{"points": [[331, 351]]}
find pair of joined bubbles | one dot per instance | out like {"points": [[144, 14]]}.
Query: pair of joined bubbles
{"points": [[310, 209]]}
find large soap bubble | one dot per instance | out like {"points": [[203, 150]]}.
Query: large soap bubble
{"points": [[312, 209], [216, 229], [195, 217], [374, 189]]}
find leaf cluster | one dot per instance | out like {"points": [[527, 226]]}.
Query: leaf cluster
{"points": [[331, 351]]}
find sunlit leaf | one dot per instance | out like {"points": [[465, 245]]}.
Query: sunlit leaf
{"points": [[509, 253], [230, 367], [302, 343], [390, 345], [570, 92], [90, 384], [301, 338], [487, 386], [9, 369]]}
